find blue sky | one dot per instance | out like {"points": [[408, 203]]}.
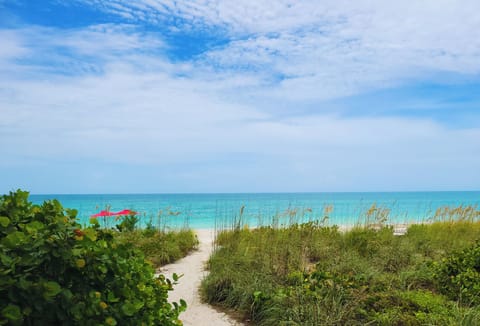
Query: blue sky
{"points": [[221, 96]]}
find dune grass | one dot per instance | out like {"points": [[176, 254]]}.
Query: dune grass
{"points": [[309, 274], [161, 247]]}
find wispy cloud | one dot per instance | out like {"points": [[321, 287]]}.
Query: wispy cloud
{"points": [[72, 51], [318, 51]]}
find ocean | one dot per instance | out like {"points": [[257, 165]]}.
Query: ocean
{"points": [[257, 209]]}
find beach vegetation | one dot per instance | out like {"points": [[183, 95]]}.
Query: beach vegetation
{"points": [[159, 244], [53, 271], [161, 247], [458, 275], [128, 223], [313, 274]]}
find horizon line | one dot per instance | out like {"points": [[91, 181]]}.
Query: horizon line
{"points": [[251, 193]]}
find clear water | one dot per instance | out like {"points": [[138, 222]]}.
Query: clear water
{"points": [[211, 210]]}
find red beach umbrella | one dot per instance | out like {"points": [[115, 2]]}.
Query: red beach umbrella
{"points": [[102, 214]]}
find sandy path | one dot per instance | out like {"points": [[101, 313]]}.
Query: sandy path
{"points": [[192, 268]]}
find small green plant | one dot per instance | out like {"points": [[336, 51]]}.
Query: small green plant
{"points": [[128, 223], [150, 229], [54, 272]]}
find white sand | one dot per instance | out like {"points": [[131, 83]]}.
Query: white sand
{"points": [[193, 269]]}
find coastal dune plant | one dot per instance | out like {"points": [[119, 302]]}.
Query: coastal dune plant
{"points": [[469, 213], [310, 274], [161, 247], [54, 272], [458, 276]]}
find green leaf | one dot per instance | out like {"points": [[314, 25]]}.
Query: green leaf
{"points": [[67, 294], [103, 269], [183, 303], [111, 297], [14, 239], [4, 221], [129, 309], [176, 277], [91, 234], [51, 289], [34, 226], [12, 312], [5, 259], [77, 252], [138, 305], [72, 213]]}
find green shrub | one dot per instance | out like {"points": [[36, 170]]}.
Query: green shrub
{"points": [[410, 308], [458, 276], [54, 272]]}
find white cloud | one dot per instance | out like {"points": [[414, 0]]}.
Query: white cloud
{"points": [[10, 48]]}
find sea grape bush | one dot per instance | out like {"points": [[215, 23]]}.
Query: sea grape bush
{"points": [[54, 272], [458, 276]]}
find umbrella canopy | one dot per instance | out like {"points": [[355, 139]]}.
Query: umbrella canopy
{"points": [[126, 212], [103, 213]]}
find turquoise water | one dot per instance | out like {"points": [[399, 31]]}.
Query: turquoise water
{"points": [[210, 210]]}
